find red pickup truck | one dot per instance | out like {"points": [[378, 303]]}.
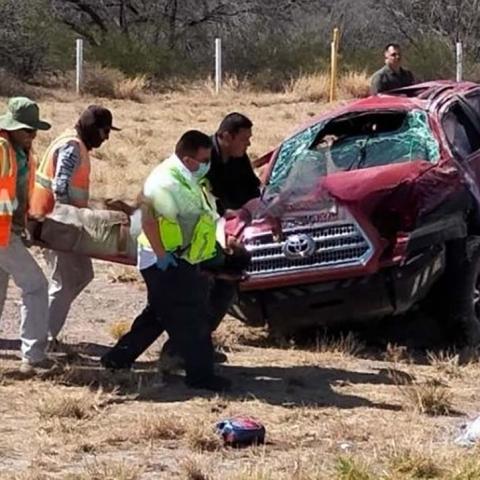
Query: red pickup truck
{"points": [[379, 208]]}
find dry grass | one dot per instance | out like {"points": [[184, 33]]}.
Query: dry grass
{"points": [[193, 470], [309, 88], [396, 353], [354, 85], [105, 470], [313, 402], [62, 404], [445, 362], [202, 438], [469, 469], [316, 87], [350, 469], [430, 397], [161, 427], [111, 83], [121, 274], [410, 464], [131, 88], [119, 328], [348, 344], [11, 86]]}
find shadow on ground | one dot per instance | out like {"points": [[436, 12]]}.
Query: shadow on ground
{"points": [[293, 386]]}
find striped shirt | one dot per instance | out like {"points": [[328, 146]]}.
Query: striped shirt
{"points": [[68, 159]]}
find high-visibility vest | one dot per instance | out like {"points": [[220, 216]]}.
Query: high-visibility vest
{"points": [[8, 185], [43, 199], [200, 245]]}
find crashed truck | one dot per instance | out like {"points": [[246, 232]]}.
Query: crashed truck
{"points": [[379, 209]]}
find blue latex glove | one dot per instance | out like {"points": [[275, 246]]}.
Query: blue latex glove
{"points": [[168, 260]]}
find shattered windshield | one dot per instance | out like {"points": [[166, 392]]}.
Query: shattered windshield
{"points": [[353, 141]]}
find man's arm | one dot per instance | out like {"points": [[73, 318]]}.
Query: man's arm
{"points": [[4, 158], [376, 84], [68, 159], [150, 228]]}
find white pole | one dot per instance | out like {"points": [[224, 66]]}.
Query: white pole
{"points": [[218, 64], [79, 76], [459, 61]]}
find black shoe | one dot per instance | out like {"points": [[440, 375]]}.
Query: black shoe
{"points": [[219, 357], [215, 383], [170, 362], [111, 364]]}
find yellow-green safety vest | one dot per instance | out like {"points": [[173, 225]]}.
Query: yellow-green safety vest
{"points": [[202, 244]]}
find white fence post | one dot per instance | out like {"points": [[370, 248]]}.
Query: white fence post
{"points": [[218, 64], [459, 57], [79, 69]]}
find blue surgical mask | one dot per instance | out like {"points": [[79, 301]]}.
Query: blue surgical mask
{"points": [[202, 170]]}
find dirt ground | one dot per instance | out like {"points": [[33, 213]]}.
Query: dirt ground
{"points": [[334, 408]]}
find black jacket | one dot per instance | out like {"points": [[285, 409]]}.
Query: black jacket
{"points": [[233, 181]]}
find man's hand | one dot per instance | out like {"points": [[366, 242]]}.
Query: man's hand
{"points": [[242, 214], [166, 261], [119, 206], [276, 226]]}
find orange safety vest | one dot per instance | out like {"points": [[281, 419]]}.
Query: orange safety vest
{"points": [[43, 199], [8, 185]]}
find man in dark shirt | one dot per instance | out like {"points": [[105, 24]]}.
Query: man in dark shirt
{"points": [[392, 75], [231, 176], [234, 183]]}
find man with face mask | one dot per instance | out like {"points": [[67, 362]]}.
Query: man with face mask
{"points": [[63, 176], [179, 233], [18, 129], [233, 182]]}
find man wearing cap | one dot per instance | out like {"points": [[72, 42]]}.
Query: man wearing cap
{"points": [[18, 128], [63, 176]]}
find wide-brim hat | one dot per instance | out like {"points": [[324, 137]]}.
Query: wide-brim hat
{"points": [[22, 113]]}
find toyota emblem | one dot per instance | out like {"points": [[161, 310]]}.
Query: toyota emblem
{"points": [[299, 246]]}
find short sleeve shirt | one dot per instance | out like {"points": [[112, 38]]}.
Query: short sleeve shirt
{"points": [[387, 79]]}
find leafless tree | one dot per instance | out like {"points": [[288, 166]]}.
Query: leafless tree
{"points": [[447, 19]]}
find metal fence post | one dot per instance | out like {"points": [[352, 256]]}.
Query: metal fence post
{"points": [[218, 64], [334, 65], [459, 57], [79, 66]]}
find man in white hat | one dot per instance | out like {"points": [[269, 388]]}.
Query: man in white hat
{"points": [[18, 129]]}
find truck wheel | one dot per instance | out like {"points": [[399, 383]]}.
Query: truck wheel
{"points": [[461, 291]]}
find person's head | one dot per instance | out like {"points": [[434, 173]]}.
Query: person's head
{"points": [[22, 121], [194, 149], [234, 134], [94, 126], [393, 55]]}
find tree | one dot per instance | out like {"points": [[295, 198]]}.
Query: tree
{"points": [[458, 20], [21, 49]]}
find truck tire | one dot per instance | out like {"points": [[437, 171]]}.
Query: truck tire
{"points": [[460, 293]]}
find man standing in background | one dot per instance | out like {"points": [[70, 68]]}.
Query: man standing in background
{"points": [[392, 75]]}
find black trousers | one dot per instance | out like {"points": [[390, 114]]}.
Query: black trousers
{"points": [[146, 328], [177, 301]]}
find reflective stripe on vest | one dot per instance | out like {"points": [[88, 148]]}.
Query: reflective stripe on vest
{"points": [[202, 244], [78, 192], [8, 185]]}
